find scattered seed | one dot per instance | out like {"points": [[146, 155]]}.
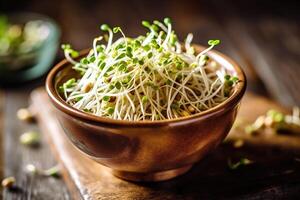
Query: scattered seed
{"points": [[24, 114], [238, 143], [30, 138], [112, 99], [184, 113], [250, 129], [274, 121], [53, 171], [213, 64], [191, 109], [87, 87], [8, 182], [31, 169], [241, 162]]}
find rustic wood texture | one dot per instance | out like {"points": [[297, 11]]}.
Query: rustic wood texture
{"points": [[276, 164], [17, 156], [262, 35], [1, 130]]}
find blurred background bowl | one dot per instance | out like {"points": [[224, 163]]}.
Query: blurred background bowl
{"points": [[33, 63]]}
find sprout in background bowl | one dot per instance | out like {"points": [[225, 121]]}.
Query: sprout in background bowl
{"points": [[19, 42], [150, 77], [28, 45]]}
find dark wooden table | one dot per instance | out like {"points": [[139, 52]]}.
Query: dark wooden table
{"points": [[262, 36]]}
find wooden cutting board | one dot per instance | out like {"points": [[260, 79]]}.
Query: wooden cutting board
{"points": [[275, 172]]}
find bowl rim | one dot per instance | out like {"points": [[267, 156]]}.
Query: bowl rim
{"points": [[224, 106]]}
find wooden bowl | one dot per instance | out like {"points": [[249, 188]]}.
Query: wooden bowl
{"points": [[147, 150]]}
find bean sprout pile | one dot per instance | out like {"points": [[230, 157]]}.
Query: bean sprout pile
{"points": [[151, 77]]}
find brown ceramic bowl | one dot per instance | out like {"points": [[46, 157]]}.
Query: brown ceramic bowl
{"points": [[146, 150]]}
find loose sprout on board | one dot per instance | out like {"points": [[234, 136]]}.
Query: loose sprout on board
{"points": [[30, 138], [276, 121], [236, 165], [8, 182]]}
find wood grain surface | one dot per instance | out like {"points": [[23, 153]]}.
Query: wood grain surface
{"points": [[17, 156], [261, 35], [275, 166], [1, 130]]}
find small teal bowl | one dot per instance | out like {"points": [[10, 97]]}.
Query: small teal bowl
{"points": [[42, 58]]}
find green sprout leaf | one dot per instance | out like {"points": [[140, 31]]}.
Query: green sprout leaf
{"points": [[106, 98], [65, 46], [227, 77], [235, 79], [213, 42], [236, 165], [74, 54], [53, 172], [104, 27], [154, 27], [155, 70], [144, 99], [70, 82], [110, 110], [116, 29], [118, 85], [167, 21], [146, 24], [30, 138]]}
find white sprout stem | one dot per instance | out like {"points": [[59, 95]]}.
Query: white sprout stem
{"points": [[69, 58], [188, 41], [156, 83], [110, 38], [95, 45], [161, 25], [168, 36]]}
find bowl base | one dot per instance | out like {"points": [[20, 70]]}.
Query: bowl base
{"points": [[154, 177]]}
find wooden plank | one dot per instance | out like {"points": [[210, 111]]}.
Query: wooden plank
{"points": [[17, 156], [275, 167], [1, 131]]}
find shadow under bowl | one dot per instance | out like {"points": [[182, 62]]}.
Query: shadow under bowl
{"points": [[147, 150]]}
